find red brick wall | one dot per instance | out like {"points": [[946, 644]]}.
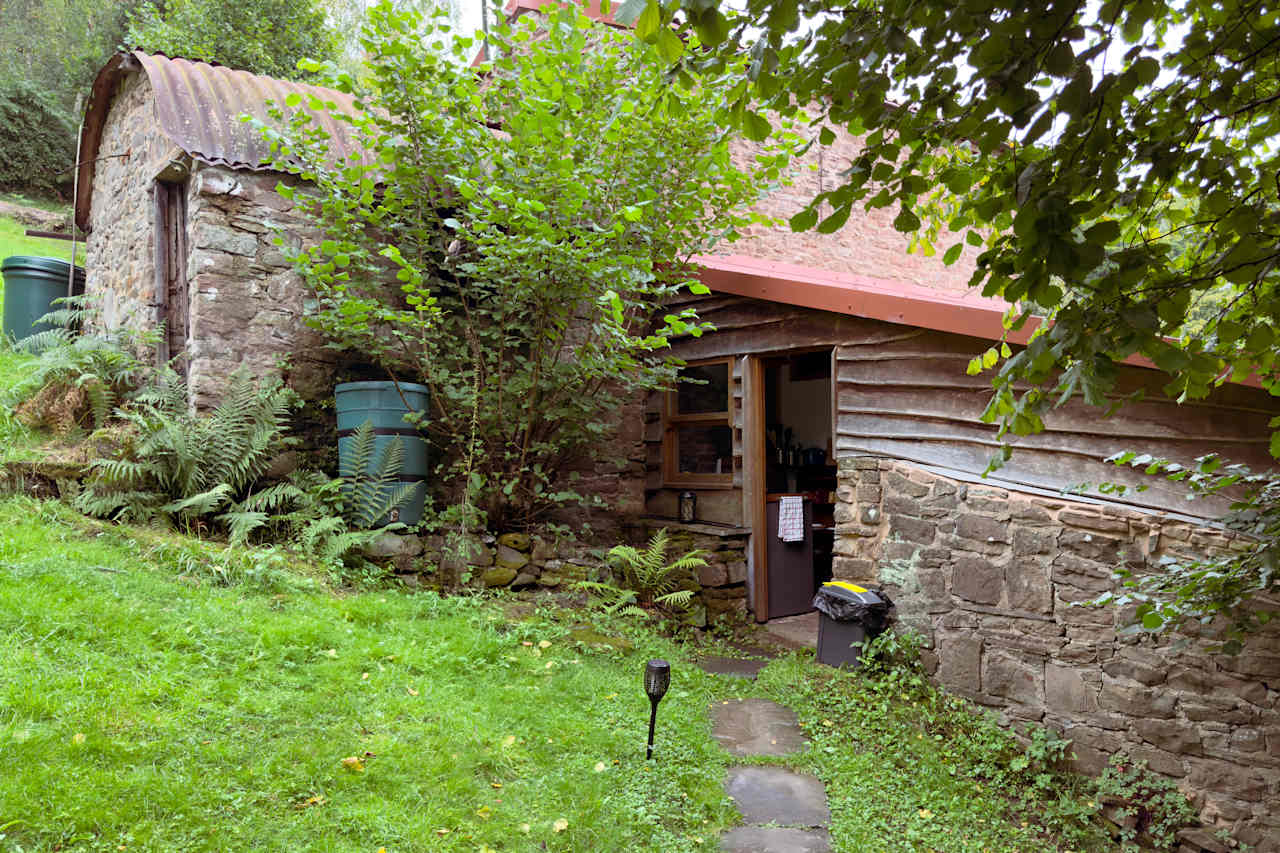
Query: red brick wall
{"points": [[867, 245]]}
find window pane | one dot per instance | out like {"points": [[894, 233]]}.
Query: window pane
{"points": [[704, 449], [710, 395]]}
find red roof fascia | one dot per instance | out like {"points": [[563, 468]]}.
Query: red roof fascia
{"points": [[967, 313]]}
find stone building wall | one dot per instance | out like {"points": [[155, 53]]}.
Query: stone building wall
{"points": [[991, 577], [248, 304], [120, 248]]}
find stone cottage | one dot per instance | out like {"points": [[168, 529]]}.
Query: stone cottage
{"points": [[180, 217], [835, 381]]}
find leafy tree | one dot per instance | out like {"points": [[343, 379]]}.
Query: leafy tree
{"points": [[1115, 162], [37, 142], [56, 46], [535, 215], [262, 36]]}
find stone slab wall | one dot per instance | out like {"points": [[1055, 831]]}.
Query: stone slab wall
{"points": [[991, 577], [120, 248]]}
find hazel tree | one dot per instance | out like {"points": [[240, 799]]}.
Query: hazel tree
{"points": [[534, 212]]}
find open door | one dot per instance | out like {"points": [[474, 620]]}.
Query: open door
{"points": [[753, 483]]}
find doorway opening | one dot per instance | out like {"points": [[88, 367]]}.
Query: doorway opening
{"points": [[799, 476]]}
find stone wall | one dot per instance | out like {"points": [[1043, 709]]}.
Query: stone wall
{"points": [[991, 577], [247, 301], [120, 248], [867, 245], [520, 561]]}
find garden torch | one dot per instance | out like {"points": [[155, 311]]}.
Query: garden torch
{"points": [[657, 678]]}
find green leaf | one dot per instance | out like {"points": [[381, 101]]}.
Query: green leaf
{"points": [[670, 45], [649, 21], [805, 219], [906, 221], [755, 126], [952, 254], [975, 366], [836, 220]]}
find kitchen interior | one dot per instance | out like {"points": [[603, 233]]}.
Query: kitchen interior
{"points": [[800, 479]]}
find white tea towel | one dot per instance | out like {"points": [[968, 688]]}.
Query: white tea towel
{"points": [[791, 518]]}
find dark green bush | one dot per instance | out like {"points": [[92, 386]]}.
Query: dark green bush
{"points": [[37, 141]]}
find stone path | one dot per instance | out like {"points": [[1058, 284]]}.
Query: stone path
{"points": [[783, 811]]}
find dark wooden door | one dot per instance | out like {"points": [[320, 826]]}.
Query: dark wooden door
{"points": [[173, 296]]}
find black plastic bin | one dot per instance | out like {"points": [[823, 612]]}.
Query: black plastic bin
{"points": [[849, 614]]}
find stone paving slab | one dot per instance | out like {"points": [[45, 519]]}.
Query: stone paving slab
{"points": [[756, 727], [732, 667], [778, 795], [773, 839]]}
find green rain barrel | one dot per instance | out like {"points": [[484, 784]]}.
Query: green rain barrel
{"points": [[384, 405], [30, 286]]}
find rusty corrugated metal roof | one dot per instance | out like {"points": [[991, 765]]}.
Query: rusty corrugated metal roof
{"points": [[198, 106]]}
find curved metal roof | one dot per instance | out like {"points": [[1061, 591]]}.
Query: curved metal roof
{"points": [[198, 106]]}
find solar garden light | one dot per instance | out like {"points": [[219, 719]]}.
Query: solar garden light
{"points": [[657, 678]]}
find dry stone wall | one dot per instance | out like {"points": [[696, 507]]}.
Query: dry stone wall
{"points": [[994, 578], [521, 561]]}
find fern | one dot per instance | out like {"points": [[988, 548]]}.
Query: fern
{"points": [[179, 466], [104, 367], [650, 575], [646, 581], [372, 487]]}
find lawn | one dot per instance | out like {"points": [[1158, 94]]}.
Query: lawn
{"points": [[14, 241], [157, 693]]}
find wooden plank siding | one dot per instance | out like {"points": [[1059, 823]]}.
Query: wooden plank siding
{"points": [[902, 392]]}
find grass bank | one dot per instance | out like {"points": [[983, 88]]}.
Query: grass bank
{"points": [[159, 693]]}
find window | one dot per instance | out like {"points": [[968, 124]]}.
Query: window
{"points": [[698, 427]]}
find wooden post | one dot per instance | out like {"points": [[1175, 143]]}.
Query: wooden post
{"points": [[753, 481]]}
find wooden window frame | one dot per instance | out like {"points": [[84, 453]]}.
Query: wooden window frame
{"points": [[672, 420]]}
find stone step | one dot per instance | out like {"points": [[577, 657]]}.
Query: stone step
{"points": [[776, 795], [772, 839], [756, 727]]}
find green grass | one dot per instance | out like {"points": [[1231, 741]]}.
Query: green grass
{"points": [[14, 241], [160, 714], [159, 694]]}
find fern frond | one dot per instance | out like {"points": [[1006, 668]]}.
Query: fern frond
{"points": [[678, 600], [200, 504], [242, 523]]}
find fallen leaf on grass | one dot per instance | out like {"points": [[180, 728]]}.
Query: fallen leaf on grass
{"points": [[78, 738], [599, 768], [925, 814], [509, 740], [483, 812], [495, 784], [314, 800], [353, 763], [442, 832], [526, 828], [412, 692], [545, 644], [560, 825]]}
